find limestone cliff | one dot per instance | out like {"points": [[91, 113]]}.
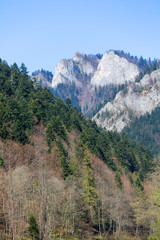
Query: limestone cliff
{"points": [[113, 69], [135, 100], [92, 79]]}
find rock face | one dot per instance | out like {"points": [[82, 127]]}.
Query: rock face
{"points": [[135, 100], [77, 70], [87, 79], [113, 69]]}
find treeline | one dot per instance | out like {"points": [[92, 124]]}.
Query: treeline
{"points": [[48, 75], [146, 129]]}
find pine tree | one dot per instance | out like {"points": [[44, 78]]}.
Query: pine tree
{"points": [[33, 228], [90, 195]]}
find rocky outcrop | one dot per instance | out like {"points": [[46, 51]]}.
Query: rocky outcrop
{"points": [[90, 79], [113, 69], [135, 100], [77, 70]]}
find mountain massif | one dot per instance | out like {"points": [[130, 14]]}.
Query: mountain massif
{"points": [[114, 89], [89, 80]]}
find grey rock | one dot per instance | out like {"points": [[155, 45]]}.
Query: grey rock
{"points": [[140, 98]]}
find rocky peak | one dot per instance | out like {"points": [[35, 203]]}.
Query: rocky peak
{"points": [[76, 70], [113, 69], [79, 57]]}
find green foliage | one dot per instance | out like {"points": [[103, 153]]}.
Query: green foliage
{"points": [[50, 137], [156, 235], [2, 164], [23, 104], [146, 129], [33, 227], [90, 195], [65, 92], [68, 102], [138, 183], [102, 96], [98, 142], [118, 179], [126, 170], [58, 127], [131, 179], [125, 154], [64, 160], [75, 121]]}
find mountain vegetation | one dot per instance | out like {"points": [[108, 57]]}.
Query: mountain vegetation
{"points": [[62, 176], [146, 129], [48, 75], [65, 91]]}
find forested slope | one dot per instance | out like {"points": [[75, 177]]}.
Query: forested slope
{"points": [[146, 129], [59, 169]]}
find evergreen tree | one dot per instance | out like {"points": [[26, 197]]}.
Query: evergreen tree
{"points": [[33, 227], [89, 193], [2, 164], [64, 160]]}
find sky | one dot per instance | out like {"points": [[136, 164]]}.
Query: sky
{"points": [[40, 33]]}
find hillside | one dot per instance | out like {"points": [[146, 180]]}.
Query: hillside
{"points": [[64, 173], [146, 129]]}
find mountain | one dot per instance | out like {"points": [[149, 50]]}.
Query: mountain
{"points": [[110, 69], [114, 89], [79, 70], [62, 176], [135, 100], [92, 80], [113, 69]]}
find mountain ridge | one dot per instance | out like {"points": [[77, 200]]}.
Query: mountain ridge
{"points": [[91, 82], [76, 78]]}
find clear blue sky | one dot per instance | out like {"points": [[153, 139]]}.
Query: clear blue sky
{"points": [[41, 32]]}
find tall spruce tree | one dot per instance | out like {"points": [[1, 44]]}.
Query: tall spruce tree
{"points": [[33, 227]]}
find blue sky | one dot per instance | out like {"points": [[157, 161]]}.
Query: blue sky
{"points": [[41, 32]]}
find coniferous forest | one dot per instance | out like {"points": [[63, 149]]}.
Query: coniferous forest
{"points": [[146, 129], [63, 177]]}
